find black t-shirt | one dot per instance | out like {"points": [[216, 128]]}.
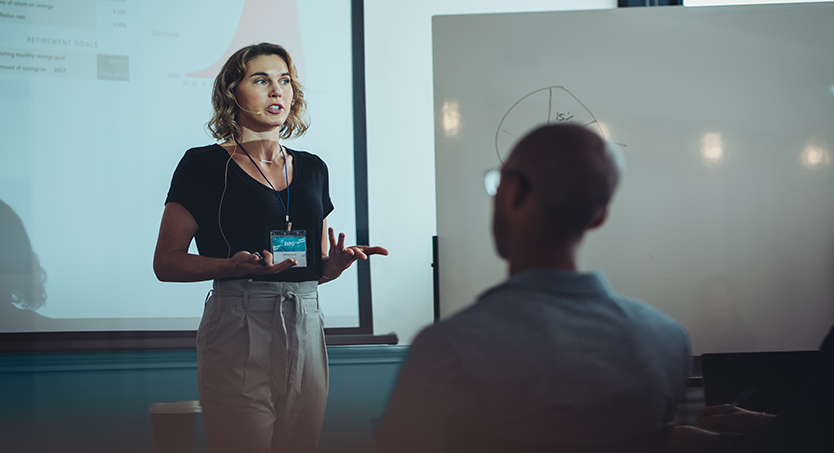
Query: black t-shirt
{"points": [[250, 209]]}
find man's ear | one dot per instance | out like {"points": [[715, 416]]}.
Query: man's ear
{"points": [[599, 218], [519, 191]]}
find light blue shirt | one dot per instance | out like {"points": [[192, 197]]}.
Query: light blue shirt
{"points": [[545, 359]]}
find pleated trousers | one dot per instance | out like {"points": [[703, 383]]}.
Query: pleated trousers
{"points": [[262, 367]]}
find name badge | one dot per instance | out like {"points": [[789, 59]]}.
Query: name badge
{"points": [[289, 245]]}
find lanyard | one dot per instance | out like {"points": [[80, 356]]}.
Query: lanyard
{"points": [[286, 176]]}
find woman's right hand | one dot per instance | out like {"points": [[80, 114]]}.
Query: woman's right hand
{"points": [[173, 263], [246, 263]]}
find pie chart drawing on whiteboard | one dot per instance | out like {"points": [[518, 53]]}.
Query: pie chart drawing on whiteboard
{"points": [[549, 105]]}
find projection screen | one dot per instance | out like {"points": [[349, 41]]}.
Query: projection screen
{"points": [[101, 99]]}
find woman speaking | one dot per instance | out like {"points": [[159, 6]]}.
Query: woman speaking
{"points": [[258, 212]]}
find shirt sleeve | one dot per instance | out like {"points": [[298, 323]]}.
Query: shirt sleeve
{"points": [[188, 186], [326, 203], [428, 398]]}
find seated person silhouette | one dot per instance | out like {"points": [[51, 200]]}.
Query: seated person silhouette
{"points": [[21, 278], [551, 359]]}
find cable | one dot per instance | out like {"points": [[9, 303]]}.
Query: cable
{"points": [[222, 196]]}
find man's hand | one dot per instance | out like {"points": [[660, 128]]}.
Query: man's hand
{"points": [[727, 418], [689, 439]]}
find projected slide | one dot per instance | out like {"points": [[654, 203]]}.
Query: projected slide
{"points": [[101, 98], [55, 51]]}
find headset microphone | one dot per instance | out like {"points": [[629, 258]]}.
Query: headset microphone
{"points": [[250, 111]]}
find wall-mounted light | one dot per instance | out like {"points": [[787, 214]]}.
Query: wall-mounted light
{"points": [[712, 148], [451, 118], [815, 156], [604, 130]]}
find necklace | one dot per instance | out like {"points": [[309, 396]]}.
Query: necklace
{"points": [[286, 176], [281, 149]]}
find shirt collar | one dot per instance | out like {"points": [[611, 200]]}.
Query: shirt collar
{"points": [[561, 281]]}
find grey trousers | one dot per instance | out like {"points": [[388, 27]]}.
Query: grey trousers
{"points": [[262, 367]]}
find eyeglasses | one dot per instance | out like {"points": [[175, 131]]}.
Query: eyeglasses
{"points": [[492, 179]]}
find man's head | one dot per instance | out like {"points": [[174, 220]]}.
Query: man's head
{"points": [[557, 183]]}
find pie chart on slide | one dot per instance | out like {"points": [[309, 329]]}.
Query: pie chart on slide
{"points": [[274, 21], [549, 105]]}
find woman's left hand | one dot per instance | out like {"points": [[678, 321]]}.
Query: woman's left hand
{"points": [[340, 257]]}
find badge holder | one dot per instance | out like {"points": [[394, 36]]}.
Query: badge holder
{"points": [[289, 244]]}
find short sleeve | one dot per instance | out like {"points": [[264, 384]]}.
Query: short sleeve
{"points": [[431, 394], [188, 186], [326, 204]]}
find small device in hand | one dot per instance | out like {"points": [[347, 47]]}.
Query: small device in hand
{"points": [[261, 259]]}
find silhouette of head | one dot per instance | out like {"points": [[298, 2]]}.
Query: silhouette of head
{"points": [[21, 276]]}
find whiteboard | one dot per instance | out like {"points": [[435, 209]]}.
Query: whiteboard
{"points": [[724, 219]]}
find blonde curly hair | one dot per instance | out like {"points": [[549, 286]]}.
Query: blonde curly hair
{"points": [[223, 124]]}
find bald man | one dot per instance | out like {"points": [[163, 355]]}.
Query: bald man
{"points": [[551, 359]]}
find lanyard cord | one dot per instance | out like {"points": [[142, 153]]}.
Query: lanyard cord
{"points": [[286, 176]]}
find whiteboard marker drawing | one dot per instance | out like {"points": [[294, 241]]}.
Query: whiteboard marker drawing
{"points": [[553, 104]]}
